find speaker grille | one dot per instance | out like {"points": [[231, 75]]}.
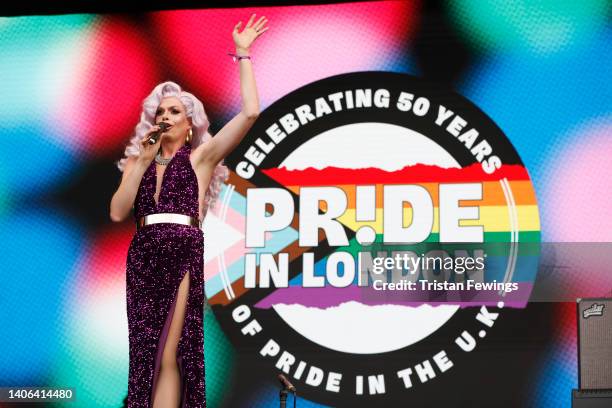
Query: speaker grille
{"points": [[595, 343]]}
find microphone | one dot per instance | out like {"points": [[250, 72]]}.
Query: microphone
{"points": [[285, 382], [163, 126]]}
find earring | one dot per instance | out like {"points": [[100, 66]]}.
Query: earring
{"points": [[189, 136]]}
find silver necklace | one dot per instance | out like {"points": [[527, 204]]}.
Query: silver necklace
{"points": [[160, 160]]}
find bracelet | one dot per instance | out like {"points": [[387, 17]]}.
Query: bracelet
{"points": [[236, 57]]}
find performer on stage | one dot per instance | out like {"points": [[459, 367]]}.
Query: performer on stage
{"points": [[170, 185]]}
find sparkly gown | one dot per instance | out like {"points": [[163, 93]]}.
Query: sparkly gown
{"points": [[158, 258]]}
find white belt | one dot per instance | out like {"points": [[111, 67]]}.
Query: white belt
{"points": [[168, 218]]}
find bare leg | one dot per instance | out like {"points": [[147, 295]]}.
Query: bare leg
{"points": [[168, 387]]}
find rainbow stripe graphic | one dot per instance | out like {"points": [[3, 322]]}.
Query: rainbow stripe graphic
{"points": [[508, 213]]}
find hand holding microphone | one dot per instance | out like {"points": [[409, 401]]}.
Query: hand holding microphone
{"points": [[162, 128], [149, 144]]}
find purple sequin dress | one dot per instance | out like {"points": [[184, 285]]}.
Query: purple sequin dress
{"points": [[158, 258]]}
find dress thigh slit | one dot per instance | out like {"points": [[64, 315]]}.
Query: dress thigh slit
{"points": [[161, 344]]}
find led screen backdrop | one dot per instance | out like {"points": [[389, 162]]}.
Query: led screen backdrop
{"points": [[71, 92]]}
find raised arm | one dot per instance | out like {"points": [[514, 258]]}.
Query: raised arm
{"points": [[211, 153]]}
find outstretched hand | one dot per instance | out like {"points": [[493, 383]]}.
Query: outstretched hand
{"points": [[243, 40]]}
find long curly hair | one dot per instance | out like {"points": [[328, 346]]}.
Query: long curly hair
{"points": [[199, 121]]}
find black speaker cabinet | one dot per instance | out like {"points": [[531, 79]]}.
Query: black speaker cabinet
{"points": [[594, 354], [594, 343]]}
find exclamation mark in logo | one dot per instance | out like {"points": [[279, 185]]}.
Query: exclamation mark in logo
{"points": [[365, 210]]}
